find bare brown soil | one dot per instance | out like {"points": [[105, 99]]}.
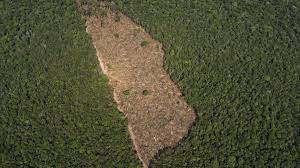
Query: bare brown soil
{"points": [[158, 116]]}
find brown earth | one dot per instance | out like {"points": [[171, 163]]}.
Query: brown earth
{"points": [[158, 117]]}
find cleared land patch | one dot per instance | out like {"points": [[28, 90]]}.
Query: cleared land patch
{"points": [[158, 116]]}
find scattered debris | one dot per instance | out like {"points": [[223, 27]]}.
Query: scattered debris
{"points": [[158, 117]]}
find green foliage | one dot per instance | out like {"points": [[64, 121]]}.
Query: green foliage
{"points": [[144, 43], [145, 92], [126, 92], [237, 63], [55, 108]]}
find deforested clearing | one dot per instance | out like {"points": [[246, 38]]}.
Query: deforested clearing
{"points": [[158, 116]]}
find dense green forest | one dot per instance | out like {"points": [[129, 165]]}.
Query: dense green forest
{"points": [[237, 63], [56, 109]]}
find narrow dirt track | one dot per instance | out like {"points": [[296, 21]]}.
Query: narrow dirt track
{"points": [[158, 116]]}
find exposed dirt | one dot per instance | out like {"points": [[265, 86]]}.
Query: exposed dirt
{"points": [[157, 114]]}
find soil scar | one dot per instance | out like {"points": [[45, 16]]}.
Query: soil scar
{"points": [[158, 117]]}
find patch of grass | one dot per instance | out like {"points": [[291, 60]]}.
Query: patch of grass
{"points": [[146, 92], [109, 66], [144, 43], [56, 110], [237, 63], [126, 92]]}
